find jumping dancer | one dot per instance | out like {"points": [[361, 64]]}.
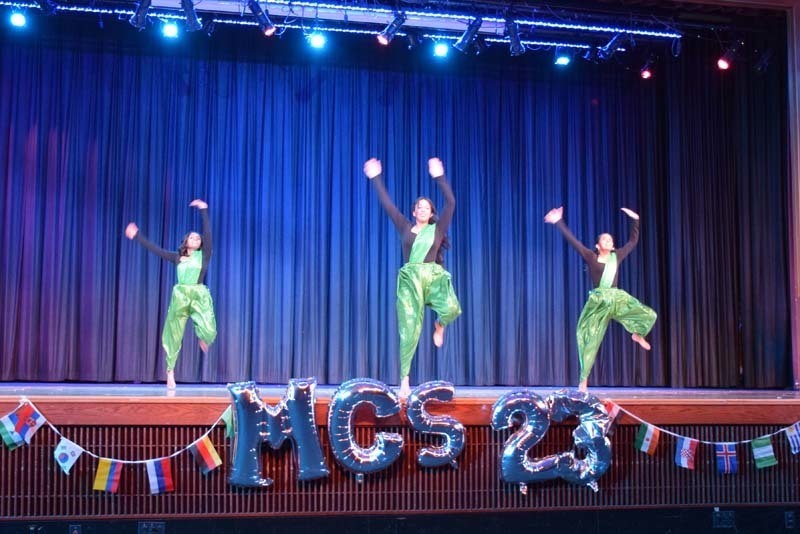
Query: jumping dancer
{"points": [[422, 281], [606, 301]]}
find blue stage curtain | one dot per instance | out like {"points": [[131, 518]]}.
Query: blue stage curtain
{"points": [[94, 135]]}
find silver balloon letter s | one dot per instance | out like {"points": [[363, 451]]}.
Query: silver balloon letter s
{"points": [[451, 430]]}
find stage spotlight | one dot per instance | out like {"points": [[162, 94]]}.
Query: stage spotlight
{"points": [[317, 40], [563, 57], [441, 49], [266, 25], [726, 60], [139, 18], [605, 52], [645, 72], [47, 7], [463, 43], [17, 19], [192, 24], [516, 47], [386, 36], [169, 30]]}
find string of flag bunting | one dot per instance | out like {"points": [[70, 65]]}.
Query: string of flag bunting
{"points": [[648, 437], [19, 426]]}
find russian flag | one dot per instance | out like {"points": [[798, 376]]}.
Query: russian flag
{"points": [[159, 472], [107, 476], [205, 455]]}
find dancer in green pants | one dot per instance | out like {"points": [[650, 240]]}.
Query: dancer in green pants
{"points": [[422, 280], [606, 301], [190, 298]]}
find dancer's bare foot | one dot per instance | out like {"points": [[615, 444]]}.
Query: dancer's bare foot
{"points": [[171, 380], [438, 334], [641, 341], [405, 389], [203, 345], [584, 386]]}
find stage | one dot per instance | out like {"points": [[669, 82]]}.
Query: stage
{"points": [[135, 423]]}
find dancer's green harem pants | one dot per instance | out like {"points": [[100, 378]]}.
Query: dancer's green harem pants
{"points": [[603, 305], [420, 285]]}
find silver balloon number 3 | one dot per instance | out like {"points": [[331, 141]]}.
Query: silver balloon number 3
{"points": [[584, 464]]}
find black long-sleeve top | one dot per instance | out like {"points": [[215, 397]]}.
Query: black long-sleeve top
{"points": [[590, 257], [174, 257], [404, 226]]}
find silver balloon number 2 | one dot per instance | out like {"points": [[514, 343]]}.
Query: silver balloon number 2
{"points": [[584, 464]]}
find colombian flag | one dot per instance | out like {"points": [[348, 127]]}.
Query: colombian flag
{"points": [[159, 472], [107, 476], [205, 455]]}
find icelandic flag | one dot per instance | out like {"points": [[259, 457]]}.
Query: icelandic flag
{"points": [[20, 425], [793, 435], [726, 458], [205, 455], [66, 454], [107, 476], [685, 452], [159, 472]]}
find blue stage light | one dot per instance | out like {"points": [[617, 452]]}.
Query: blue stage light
{"points": [[441, 49], [563, 57], [17, 19], [170, 30], [317, 40]]}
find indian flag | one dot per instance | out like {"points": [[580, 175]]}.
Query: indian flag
{"points": [[647, 438]]}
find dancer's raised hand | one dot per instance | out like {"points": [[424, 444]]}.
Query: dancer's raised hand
{"points": [[199, 204], [435, 167], [630, 213], [554, 215], [372, 168], [131, 230]]}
